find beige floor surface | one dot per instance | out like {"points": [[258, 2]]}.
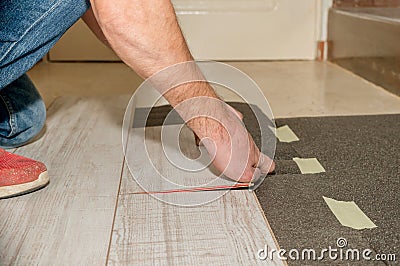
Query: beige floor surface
{"points": [[87, 216], [293, 89]]}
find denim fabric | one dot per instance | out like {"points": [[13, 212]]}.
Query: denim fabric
{"points": [[28, 29], [22, 113]]}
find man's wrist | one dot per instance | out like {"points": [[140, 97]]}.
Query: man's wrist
{"points": [[200, 107], [188, 91]]}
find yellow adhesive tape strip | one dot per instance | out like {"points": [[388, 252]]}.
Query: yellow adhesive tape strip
{"points": [[309, 165], [286, 134], [349, 214]]}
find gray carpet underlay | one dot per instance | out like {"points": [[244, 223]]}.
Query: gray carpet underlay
{"points": [[361, 158]]}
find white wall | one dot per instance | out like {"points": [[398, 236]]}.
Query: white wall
{"points": [[250, 29], [227, 30]]}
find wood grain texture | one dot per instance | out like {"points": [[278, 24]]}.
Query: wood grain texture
{"points": [[147, 231], [70, 221], [228, 231]]}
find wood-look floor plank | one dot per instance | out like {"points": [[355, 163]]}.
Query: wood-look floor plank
{"points": [[226, 231], [70, 221]]}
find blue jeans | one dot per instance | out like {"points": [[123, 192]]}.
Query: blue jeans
{"points": [[28, 29]]}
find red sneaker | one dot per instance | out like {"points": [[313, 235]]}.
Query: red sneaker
{"points": [[20, 175]]}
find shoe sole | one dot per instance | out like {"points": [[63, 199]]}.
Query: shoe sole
{"points": [[21, 189]]}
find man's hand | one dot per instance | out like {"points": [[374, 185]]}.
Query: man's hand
{"points": [[232, 148]]}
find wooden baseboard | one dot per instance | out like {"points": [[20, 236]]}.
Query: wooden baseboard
{"points": [[322, 47]]}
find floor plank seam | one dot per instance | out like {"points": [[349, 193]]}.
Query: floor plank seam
{"points": [[115, 211]]}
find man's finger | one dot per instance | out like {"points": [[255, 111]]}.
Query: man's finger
{"points": [[265, 164], [197, 140], [256, 175], [251, 174]]}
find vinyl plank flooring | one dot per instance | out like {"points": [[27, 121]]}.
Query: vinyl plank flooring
{"points": [[228, 231], [147, 231], [70, 221]]}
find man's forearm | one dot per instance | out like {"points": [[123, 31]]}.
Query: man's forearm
{"points": [[146, 36]]}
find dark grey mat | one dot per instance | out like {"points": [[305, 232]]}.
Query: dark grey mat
{"points": [[361, 158]]}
